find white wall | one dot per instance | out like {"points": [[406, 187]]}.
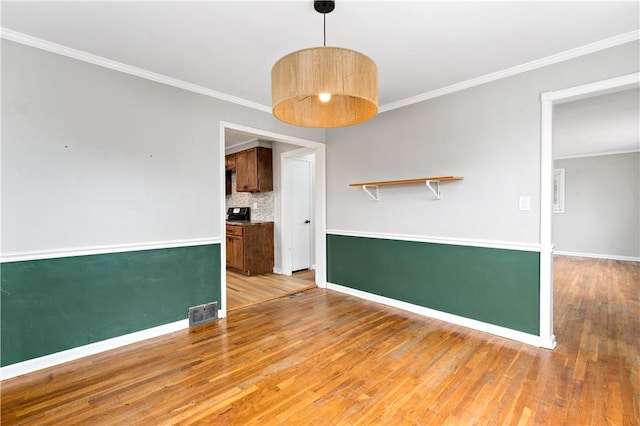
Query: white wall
{"points": [[490, 134], [141, 158], [94, 157], [602, 206]]}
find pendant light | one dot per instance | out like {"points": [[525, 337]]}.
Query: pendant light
{"points": [[324, 86]]}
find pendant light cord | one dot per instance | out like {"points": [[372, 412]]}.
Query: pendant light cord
{"points": [[324, 17]]}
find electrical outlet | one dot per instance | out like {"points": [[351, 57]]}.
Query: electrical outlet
{"points": [[255, 206]]}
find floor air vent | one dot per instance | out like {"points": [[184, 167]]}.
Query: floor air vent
{"points": [[202, 314], [300, 293]]}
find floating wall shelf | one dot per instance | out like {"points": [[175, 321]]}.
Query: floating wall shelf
{"points": [[428, 182]]}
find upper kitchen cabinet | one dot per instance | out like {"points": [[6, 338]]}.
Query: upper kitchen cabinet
{"points": [[230, 162], [254, 170]]}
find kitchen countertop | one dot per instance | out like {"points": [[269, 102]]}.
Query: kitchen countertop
{"points": [[247, 222]]}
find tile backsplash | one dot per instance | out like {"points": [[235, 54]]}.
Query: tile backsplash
{"points": [[246, 199]]}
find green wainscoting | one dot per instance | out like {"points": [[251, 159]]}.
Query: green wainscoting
{"points": [[56, 304], [496, 286]]}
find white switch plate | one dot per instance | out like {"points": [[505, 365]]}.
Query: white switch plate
{"points": [[524, 203], [255, 206]]}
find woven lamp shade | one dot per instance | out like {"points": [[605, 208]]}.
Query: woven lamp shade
{"points": [[349, 76]]}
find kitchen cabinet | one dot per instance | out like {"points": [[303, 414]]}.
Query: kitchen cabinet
{"points": [[235, 250], [229, 168], [250, 247], [228, 183], [230, 162], [254, 170]]}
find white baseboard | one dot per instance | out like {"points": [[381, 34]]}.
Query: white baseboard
{"points": [[548, 343], [47, 361], [497, 330], [597, 256]]}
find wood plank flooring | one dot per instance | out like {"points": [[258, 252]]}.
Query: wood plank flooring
{"points": [[324, 358], [243, 291]]}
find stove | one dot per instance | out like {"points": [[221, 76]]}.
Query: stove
{"points": [[238, 213]]}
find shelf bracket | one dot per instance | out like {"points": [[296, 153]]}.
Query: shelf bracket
{"points": [[375, 197], [435, 191], [432, 183]]}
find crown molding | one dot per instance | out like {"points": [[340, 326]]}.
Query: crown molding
{"points": [[518, 69], [248, 144], [119, 66], [597, 154], [128, 69]]}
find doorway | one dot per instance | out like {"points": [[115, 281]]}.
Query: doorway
{"points": [[298, 169], [548, 99], [595, 137], [315, 153]]}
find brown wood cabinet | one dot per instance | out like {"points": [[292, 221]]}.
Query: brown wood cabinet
{"points": [[228, 187], [254, 170], [250, 247], [230, 162], [235, 249]]}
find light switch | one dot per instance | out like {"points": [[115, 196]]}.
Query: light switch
{"points": [[524, 203], [255, 206]]}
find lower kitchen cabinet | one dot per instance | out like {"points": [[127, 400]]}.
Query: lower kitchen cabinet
{"points": [[250, 247]]}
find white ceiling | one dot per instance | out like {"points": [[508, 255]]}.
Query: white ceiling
{"points": [[230, 46], [606, 123], [235, 137]]}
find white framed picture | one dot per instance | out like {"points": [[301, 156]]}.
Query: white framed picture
{"points": [[558, 190]]}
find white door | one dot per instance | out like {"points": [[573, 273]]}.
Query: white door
{"points": [[300, 170]]}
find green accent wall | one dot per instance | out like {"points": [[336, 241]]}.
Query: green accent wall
{"points": [[56, 304], [496, 286]]}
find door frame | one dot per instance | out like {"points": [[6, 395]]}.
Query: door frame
{"points": [[320, 215], [285, 198], [547, 100]]}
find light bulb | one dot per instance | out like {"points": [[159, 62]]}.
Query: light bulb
{"points": [[324, 97]]}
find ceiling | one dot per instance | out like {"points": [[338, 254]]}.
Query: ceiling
{"points": [[229, 47], [236, 137], [606, 123]]}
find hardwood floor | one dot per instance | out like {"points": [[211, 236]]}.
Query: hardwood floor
{"points": [[324, 358], [308, 275], [243, 291]]}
